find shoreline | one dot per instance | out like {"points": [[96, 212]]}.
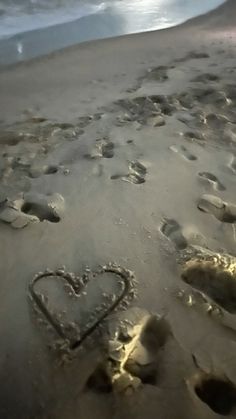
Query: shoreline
{"points": [[89, 56], [21, 47]]}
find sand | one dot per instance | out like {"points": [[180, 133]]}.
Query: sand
{"points": [[121, 154]]}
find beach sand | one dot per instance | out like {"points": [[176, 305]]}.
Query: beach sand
{"points": [[121, 152]]}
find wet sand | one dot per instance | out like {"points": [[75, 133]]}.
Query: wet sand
{"points": [[121, 154]]}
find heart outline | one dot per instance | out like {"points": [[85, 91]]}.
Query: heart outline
{"points": [[127, 293]]}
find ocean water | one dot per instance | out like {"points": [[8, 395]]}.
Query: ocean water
{"points": [[18, 16], [30, 28]]}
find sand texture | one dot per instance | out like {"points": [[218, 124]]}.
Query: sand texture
{"points": [[118, 228]]}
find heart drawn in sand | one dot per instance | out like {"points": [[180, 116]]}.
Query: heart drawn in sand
{"points": [[74, 306]]}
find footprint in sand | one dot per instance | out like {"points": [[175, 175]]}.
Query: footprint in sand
{"points": [[214, 275], [206, 78], [201, 97], [37, 171], [232, 164], [49, 208], [212, 180], [158, 74], [216, 121], [141, 108], [206, 96], [185, 117], [197, 55], [136, 175], [193, 55], [183, 152], [230, 90], [181, 236], [107, 149], [223, 211], [104, 148], [194, 135], [229, 134], [32, 207], [84, 121], [132, 355], [153, 339], [173, 231], [215, 391], [10, 138]]}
